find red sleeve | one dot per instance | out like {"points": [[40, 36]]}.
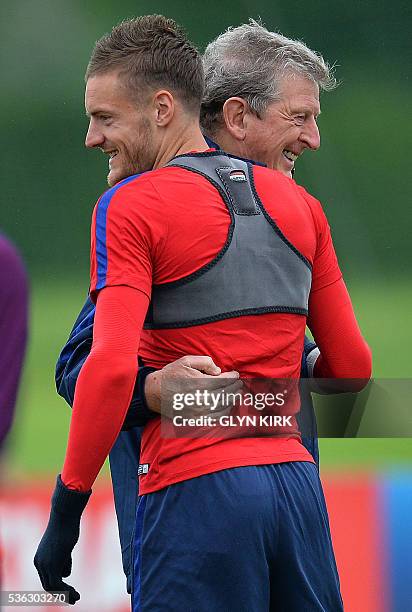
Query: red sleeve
{"points": [[325, 263], [128, 226], [105, 384], [344, 352]]}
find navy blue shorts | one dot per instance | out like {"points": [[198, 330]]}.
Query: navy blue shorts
{"points": [[248, 539]]}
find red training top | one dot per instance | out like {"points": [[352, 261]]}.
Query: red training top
{"points": [[162, 226]]}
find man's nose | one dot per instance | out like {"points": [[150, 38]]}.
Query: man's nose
{"points": [[94, 136], [310, 135]]}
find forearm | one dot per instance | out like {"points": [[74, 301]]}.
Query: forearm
{"points": [[73, 357], [344, 352], [105, 384], [104, 389]]}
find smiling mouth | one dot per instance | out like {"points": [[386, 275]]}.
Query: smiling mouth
{"points": [[112, 155], [292, 157]]}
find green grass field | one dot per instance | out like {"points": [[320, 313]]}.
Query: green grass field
{"points": [[38, 442]]}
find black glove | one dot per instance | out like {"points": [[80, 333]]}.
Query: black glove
{"points": [[53, 559]]}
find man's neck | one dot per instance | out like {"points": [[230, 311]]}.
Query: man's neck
{"points": [[216, 145], [229, 144], [179, 143]]}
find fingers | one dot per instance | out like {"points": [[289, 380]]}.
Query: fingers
{"points": [[233, 387], [52, 581], [193, 376], [53, 584], [211, 383], [203, 363], [226, 378], [226, 398], [73, 595], [206, 400]]}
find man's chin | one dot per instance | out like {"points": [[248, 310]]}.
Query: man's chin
{"points": [[281, 166], [119, 174], [115, 177], [286, 168]]}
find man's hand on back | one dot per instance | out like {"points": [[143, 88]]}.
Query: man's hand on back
{"points": [[187, 375]]}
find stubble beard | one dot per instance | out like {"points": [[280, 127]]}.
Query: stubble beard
{"points": [[138, 158]]}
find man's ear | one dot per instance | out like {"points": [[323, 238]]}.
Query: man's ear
{"points": [[234, 113], [164, 107]]}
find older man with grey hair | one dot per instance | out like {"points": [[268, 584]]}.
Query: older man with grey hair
{"points": [[261, 98], [261, 103]]}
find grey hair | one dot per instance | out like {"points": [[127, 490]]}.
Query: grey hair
{"points": [[249, 61]]}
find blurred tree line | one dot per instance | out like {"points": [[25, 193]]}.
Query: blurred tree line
{"points": [[361, 173]]}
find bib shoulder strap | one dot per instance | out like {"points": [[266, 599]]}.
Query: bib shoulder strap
{"points": [[230, 176]]}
